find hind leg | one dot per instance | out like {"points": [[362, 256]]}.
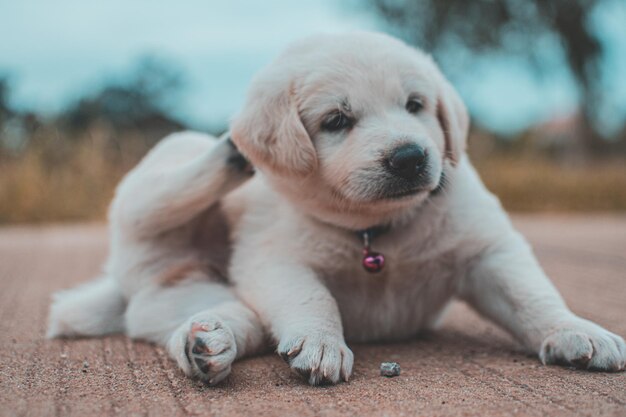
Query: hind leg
{"points": [[180, 178], [202, 324]]}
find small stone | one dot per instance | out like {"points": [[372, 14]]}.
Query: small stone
{"points": [[389, 369], [85, 364]]}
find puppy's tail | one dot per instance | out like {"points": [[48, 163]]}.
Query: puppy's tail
{"points": [[91, 309]]}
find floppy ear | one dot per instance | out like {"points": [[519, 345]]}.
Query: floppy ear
{"points": [[454, 120], [269, 131]]}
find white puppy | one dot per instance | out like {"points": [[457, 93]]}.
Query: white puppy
{"points": [[359, 145]]}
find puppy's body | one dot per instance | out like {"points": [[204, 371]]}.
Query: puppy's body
{"points": [[429, 253], [211, 265], [424, 261]]}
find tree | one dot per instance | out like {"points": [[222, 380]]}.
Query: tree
{"points": [[513, 26], [5, 110], [139, 102]]}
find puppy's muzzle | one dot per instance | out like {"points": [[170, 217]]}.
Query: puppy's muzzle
{"points": [[408, 162]]}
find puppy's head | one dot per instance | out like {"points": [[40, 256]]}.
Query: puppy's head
{"points": [[358, 124]]}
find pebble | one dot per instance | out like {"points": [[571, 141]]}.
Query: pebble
{"points": [[389, 369]]}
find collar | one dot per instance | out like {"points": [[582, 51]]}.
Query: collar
{"points": [[373, 261], [373, 232]]}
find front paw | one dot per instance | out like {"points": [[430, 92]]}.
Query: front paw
{"points": [[319, 357], [584, 345]]}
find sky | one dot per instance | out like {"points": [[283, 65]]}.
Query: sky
{"points": [[56, 51]]}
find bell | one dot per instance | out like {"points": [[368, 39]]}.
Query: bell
{"points": [[373, 261]]}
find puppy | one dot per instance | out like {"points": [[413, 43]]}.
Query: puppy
{"points": [[363, 220]]}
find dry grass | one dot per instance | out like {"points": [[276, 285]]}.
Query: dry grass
{"points": [[55, 180], [59, 179], [537, 184]]}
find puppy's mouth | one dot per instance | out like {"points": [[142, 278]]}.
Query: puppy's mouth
{"points": [[404, 193], [371, 186], [397, 195]]}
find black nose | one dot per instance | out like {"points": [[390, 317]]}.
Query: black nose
{"points": [[407, 161]]}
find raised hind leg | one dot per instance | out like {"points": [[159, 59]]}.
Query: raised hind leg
{"points": [[183, 176], [180, 178]]}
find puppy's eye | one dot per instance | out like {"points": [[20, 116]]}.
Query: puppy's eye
{"points": [[414, 105], [336, 121]]}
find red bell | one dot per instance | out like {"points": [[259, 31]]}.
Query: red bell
{"points": [[373, 261]]}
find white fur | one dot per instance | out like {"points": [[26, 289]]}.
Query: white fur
{"points": [[91, 309], [295, 271]]}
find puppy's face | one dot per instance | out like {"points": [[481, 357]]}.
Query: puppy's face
{"points": [[360, 124], [374, 127]]}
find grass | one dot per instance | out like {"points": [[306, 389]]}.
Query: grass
{"points": [[62, 180], [537, 184], [58, 181]]}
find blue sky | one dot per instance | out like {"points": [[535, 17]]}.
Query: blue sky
{"points": [[55, 51]]}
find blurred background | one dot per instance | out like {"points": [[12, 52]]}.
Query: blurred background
{"points": [[86, 88]]}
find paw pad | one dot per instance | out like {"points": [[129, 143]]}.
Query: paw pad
{"points": [[210, 349]]}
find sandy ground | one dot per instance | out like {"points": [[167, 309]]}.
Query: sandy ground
{"points": [[468, 368]]}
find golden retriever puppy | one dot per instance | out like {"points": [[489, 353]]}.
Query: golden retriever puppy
{"points": [[363, 220]]}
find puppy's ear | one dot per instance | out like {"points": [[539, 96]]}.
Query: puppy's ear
{"points": [[269, 130], [453, 118]]}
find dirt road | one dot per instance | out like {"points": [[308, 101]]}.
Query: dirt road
{"points": [[468, 368]]}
